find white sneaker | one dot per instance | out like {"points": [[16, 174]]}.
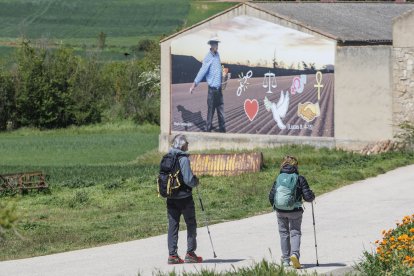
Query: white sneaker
{"points": [[285, 263]]}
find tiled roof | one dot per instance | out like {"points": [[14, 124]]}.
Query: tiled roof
{"points": [[346, 22]]}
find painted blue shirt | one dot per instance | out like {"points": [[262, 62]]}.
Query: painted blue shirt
{"points": [[211, 69]]}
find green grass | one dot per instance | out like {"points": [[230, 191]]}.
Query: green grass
{"points": [[103, 185], [77, 19], [201, 10], [262, 268], [92, 153], [86, 19]]}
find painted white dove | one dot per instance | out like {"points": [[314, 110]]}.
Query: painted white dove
{"points": [[279, 110]]}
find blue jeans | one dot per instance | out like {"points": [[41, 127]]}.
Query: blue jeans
{"points": [[290, 233], [215, 102]]}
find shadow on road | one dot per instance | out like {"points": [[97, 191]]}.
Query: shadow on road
{"points": [[306, 266], [222, 261]]}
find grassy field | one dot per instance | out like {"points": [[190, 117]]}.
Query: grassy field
{"points": [[103, 189], [78, 23]]}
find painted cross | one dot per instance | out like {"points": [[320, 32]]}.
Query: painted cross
{"points": [[319, 85]]}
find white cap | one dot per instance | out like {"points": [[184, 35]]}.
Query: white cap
{"points": [[213, 39]]}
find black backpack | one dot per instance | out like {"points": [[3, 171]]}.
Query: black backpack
{"points": [[168, 181]]}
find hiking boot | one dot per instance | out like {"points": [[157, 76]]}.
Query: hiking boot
{"points": [[175, 259], [191, 257], [295, 261]]}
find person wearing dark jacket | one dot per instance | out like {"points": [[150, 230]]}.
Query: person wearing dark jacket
{"points": [[182, 203], [289, 221]]}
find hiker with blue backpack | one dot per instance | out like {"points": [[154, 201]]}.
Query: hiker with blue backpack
{"points": [[286, 198], [175, 182]]}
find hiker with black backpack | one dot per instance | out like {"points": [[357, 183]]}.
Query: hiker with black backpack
{"points": [[175, 182], [286, 198]]}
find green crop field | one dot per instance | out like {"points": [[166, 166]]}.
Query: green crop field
{"points": [[78, 23], [102, 185]]}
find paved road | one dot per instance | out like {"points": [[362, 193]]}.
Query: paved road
{"points": [[347, 221]]}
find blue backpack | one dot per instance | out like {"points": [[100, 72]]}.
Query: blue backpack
{"points": [[285, 195]]}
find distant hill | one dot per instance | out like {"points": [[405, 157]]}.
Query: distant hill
{"points": [[185, 69], [78, 20], [86, 19]]}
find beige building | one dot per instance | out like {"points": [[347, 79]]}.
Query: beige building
{"points": [[373, 81]]}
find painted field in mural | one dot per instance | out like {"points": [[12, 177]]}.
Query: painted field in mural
{"points": [[275, 80]]}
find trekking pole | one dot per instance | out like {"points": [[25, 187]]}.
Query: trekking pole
{"points": [[314, 234], [205, 216]]}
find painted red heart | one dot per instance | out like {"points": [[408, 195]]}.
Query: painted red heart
{"points": [[251, 108]]}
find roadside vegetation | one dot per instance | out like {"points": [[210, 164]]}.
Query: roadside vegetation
{"points": [[262, 268], [394, 253]]}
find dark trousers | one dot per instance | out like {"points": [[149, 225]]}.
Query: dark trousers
{"points": [[215, 102], [176, 208]]}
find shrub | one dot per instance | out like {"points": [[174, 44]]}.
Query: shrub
{"points": [[80, 198], [394, 254], [115, 184], [136, 90], [8, 217], [89, 92], [77, 182], [54, 88]]}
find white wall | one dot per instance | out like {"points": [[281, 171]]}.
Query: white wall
{"points": [[363, 98]]}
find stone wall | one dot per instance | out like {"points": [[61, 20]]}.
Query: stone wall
{"points": [[403, 69], [403, 90]]}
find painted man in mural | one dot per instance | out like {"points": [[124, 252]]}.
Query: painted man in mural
{"points": [[211, 69]]}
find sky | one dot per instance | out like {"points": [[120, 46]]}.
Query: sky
{"points": [[251, 41]]}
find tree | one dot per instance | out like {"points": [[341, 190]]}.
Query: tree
{"points": [[140, 92], [89, 90], [7, 99], [101, 40], [42, 87]]}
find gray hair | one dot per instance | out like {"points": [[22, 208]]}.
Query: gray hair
{"points": [[179, 141]]}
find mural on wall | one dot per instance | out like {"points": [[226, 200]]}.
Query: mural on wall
{"points": [[251, 76]]}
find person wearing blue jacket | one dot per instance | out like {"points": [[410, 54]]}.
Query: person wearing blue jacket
{"points": [[289, 221], [182, 203]]}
